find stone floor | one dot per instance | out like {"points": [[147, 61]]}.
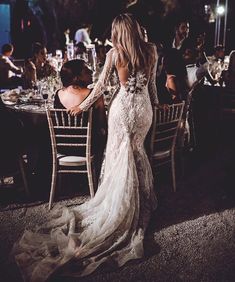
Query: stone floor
{"points": [[191, 236]]}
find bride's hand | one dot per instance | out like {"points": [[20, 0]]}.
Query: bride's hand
{"points": [[76, 110]]}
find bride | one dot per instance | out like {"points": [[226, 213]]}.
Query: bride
{"points": [[108, 228]]}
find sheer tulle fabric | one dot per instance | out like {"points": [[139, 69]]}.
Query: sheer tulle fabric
{"points": [[109, 227]]}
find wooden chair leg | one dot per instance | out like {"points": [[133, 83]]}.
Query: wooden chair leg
{"points": [[23, 174], [53, 186]]}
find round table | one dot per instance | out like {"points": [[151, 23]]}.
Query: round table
{"points": [[32, 114]]}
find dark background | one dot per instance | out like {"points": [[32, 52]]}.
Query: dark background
{"points": [[46, 20]]}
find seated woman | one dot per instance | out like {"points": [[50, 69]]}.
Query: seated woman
{"points": [[38, 66], [75, 77]]}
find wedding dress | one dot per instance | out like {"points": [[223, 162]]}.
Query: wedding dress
{"points": [[109, 227]]}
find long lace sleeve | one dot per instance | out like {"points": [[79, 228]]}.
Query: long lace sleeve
{"points": [[101, 84], [152, 81]]}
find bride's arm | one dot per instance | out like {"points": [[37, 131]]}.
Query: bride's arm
{"points": [[152, 81], [99, 87]]}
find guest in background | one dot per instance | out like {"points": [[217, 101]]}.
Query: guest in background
{"points": [[75, 77], [181, 33], [218, 53], [82, 35], [176, 75], [180, 39], [66, 35], [216, 61], [195, 71], [8, 70], [81, 51], [38, 66]]}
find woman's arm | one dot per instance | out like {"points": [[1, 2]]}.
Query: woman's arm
{"points": [[172, 87], [99, 87], [152, 81]]}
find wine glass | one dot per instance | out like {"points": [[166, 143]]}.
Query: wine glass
{"points": [[44, 94]]}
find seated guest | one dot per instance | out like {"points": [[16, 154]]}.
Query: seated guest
{"points": [[81, 51], [82, 34], [75, 77], [195, 71], [216, 61], [38, 66], [176, 75], [228, 76], [8, 70]]}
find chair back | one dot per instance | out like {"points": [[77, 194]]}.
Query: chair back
{"points": [[190, 97], [166, 122], [70, 133]]}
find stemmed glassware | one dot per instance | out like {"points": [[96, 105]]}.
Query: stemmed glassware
{"points": [[59, 59], [44, 93]]}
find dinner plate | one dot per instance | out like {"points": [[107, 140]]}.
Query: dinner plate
{"points": [[29, 107], [8, 102]]}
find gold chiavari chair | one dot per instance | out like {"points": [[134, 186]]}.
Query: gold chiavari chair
{"points": [[166, 123]]}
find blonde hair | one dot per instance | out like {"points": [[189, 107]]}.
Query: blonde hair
{"points": [[129, 41]]}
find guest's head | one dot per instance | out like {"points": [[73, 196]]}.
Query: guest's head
{"points": [[39, 52], [101, 54], [76, 73], [7, 49], [182, 28], [219, 52], [81, 48], [128, 39], [190, 56]]}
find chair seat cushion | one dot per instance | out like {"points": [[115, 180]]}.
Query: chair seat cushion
{"points": [[72, 161], [161, 154]]}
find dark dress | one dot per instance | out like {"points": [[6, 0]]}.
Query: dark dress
{"points": [[99, 131]]}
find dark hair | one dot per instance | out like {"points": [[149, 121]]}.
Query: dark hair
{"points": [[218, 48], [7, 48], [81, 47], [70, 72], [180, 21], [37, 47]]}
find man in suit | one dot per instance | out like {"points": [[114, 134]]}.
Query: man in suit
{"points": [[180, 40]]}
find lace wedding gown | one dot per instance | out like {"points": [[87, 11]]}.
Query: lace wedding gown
{"points": [[109, 227]]}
